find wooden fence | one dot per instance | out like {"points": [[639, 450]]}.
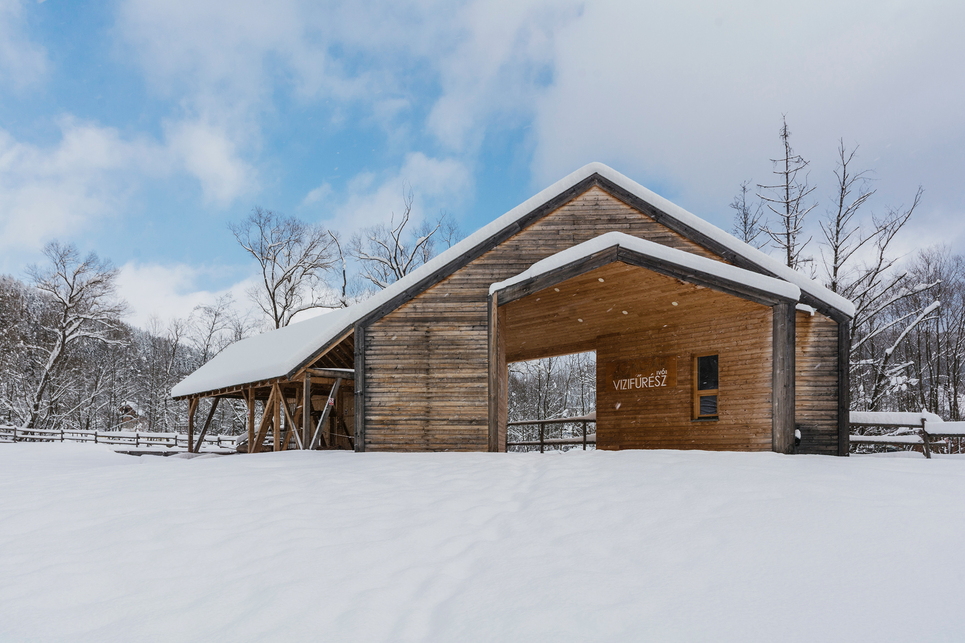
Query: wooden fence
{"points": [[907, 431], [133, 439], [543, 441]]}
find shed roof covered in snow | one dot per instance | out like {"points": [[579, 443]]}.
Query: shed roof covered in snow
{"points": [[284, 352]]}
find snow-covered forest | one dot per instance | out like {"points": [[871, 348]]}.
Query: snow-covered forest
{"points": [[68, 359]]}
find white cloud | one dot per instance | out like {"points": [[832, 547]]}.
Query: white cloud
{"points": [[168, 291], [688, 97], [59, 189], [208, 154], [321, 193], [93, 172], [436, 184], [22, 62], [498, 69]]}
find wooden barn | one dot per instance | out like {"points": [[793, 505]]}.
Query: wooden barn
{"points": [[702, 341]]}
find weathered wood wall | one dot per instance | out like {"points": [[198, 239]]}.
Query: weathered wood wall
{"points": [[816, 401], [426, 363]]}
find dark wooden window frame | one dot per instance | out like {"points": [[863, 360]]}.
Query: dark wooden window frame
{"points": [[698, 393]]}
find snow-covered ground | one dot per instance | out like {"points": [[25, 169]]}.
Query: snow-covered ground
{"points": [[584, 546]]}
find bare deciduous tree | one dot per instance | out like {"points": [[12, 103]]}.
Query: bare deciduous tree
{"points": [[292, 256], [214, 326], [841, 233], [82, 295], [786, 199], [387, 253], [881, 294], [747, 218]]}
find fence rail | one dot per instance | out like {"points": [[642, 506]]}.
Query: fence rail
{"points": [[924, 430], [544, 441], [135, 439]]}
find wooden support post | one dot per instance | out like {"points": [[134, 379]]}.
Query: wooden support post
{"points": [[192, 407], [251, 419], [359, 389], [844, 385], [306, 409], [541, 431], [493, 374], [584, 435], [207, 423], [276, 429], [782, 397]]}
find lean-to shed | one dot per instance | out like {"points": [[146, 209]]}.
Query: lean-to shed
{"points": [[702, 341]]}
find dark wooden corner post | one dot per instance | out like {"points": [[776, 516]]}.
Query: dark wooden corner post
{"points": [[251, 419], [844, 385], [493, 360], [782, 400], [359, 387], [192, 409], [498, 376], [307, 410]]}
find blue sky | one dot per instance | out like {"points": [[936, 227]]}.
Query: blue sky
{"points": [[140, 128]]}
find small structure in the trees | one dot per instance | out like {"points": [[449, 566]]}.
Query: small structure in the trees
{"points": [[702, 341]]}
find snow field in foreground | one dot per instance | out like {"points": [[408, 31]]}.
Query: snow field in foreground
{"points": [[614, 546]]}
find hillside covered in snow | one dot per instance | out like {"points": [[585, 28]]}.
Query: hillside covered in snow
{"points": [[583, 546]]}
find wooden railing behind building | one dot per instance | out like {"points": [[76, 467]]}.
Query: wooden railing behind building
{"points": [[134, 439], [543, 441]]}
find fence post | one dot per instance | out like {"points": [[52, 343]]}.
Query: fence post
{"points": [[925, 439], [541, 425], [95, 436], [584, 435]]}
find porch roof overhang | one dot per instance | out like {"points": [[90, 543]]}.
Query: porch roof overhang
{"points": [[617, 246]]}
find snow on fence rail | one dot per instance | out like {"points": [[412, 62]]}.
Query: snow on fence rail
{"points": [[925, 430], [136, 439]]}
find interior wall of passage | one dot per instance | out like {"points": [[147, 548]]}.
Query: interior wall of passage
{"points": [[630, 316]]}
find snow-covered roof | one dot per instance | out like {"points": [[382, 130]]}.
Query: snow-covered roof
{"points": [[277, 353], [266, 356], [680, 258]]}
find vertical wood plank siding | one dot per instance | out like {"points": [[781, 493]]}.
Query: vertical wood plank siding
{"points": [[816, 374], [425, 365]]}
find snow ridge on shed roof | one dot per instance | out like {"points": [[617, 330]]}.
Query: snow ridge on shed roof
{"points": [[278, 353]]}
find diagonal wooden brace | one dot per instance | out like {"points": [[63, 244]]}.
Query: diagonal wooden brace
{"points": [[328, 408], [207, 423]]}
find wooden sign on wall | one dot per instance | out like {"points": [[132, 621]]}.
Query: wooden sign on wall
{"points": [[643, 374]]}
